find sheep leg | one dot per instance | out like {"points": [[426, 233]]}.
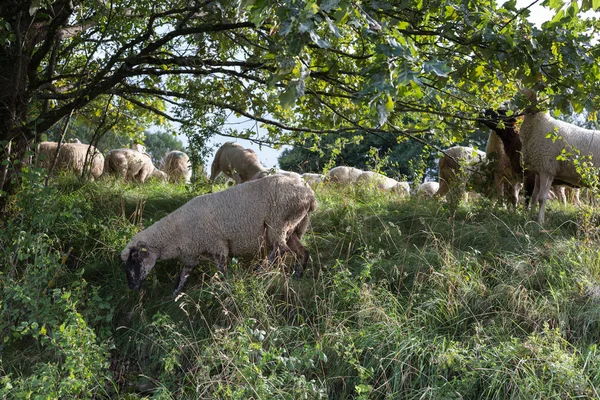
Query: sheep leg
{"points": [[185, 274], [536, 192], [545, 181]]}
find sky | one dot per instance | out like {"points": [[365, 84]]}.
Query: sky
{"points": [[268, 156]]}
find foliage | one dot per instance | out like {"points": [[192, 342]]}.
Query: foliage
{"points": [[305, 69], [160, 143]]}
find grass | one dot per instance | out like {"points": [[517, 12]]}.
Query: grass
{"points": [[403, 298]]}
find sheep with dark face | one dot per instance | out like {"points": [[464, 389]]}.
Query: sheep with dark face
{"points": [[272, 212], [514, 172], [237, 162]]}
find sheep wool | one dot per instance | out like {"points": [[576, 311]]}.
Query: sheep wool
{"points": [[540, 153], [343, 174], [383, 182], [455, 158], [130, 164], [236, 162], [176, 164], [273, 212], [71, 157], [427, 189]]}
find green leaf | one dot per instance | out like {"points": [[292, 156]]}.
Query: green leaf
{"points": [[288, 97]]}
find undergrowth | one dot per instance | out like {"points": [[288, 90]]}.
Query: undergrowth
{"points": [[403, 298]]}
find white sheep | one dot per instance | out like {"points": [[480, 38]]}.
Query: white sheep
{"points": [[236, 162], [130, 164], [459, 160], [71, 157], [540, 153], [273, 213], [343, 174], [428, 189], [383, 182], [176, 164], [138, 147], [313, 179]]}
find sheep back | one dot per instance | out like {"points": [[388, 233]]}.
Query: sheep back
{"points": [[176, 164], [343, 174], [540, 153], [239, 221], [130, 164], [71, 157], [236, 162]]}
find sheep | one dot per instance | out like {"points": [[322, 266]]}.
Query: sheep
{"points": [[272, 212], [138, 147], [158, 175], [236, 162], [383, 182], [513, 148], [343, 174], [428, 189], [312, 179], [176, 164], [471, 162], [71, 157], [540, 153], [503, 170], [130, 164]]}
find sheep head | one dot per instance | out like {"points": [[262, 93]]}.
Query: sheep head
{"points": [[139, 260]]}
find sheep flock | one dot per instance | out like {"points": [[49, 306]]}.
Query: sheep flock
{"points": [[267, 211]]}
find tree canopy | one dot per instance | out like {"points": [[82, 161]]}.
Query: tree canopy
{"points": [[302, 69]]}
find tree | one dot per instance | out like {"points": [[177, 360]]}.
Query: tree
{"points": [[381, 152], [160, 143], [301, 68]]}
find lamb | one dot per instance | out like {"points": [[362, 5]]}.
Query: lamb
{"points": [[71, 157], [236, 162], [540, 153], [471, 162], [383, 182], [272, 212], [428, 189], [343, 174], [176, 164], [130, 164]]}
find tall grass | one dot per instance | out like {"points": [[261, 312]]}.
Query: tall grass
{"points": [[403, 298]]}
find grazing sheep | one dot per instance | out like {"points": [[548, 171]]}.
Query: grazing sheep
{"points": [[158, 175], [176, 164], [428, 189], [130, 164], [540, 153], [343, 174], [273, 212], [236, 162], [383, 182], [313, 179], [71, 157], [458, 158]]}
